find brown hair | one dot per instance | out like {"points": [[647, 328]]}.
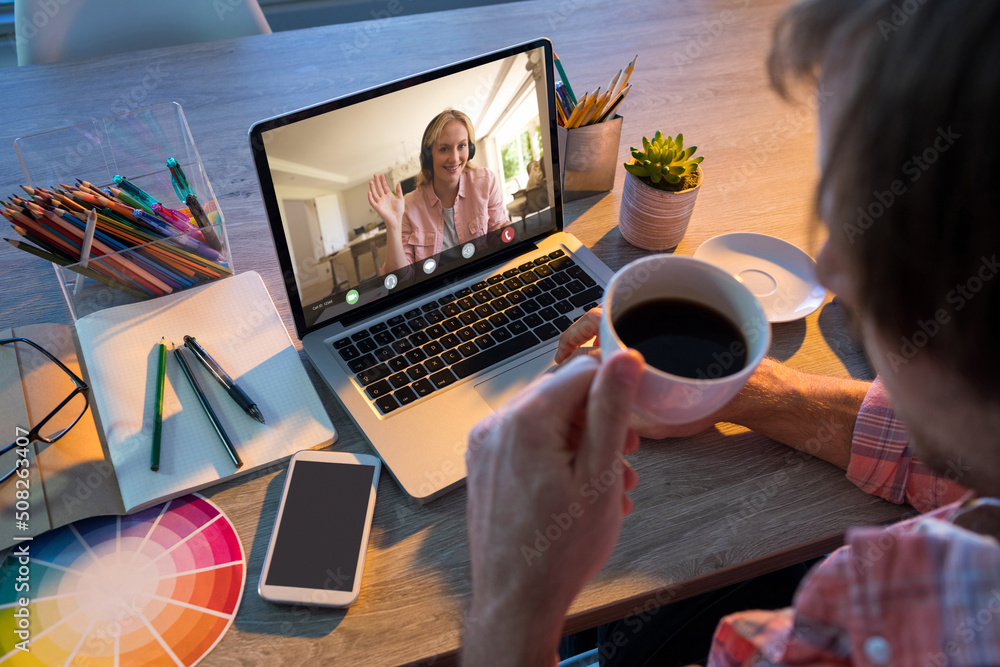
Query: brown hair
{"points": [[911, 174], [431, 135]]}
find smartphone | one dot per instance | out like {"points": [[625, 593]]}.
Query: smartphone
{"points": [[317, 550]]}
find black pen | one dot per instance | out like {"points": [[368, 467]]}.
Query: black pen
{"points": [[223, 378], [201, 218], [208, 408]]}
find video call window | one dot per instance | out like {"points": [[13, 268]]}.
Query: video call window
{"points": [[484, 129]]}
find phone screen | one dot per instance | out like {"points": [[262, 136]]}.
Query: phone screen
{"points": [[321, 526]]}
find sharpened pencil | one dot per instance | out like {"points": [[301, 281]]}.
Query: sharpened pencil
{"points": [[610, 111], [155, 253]]}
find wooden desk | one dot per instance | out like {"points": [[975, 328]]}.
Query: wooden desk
{"points": [[709, 510]]}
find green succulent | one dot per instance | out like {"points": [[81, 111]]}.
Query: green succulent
{"points": [[663, 159]]}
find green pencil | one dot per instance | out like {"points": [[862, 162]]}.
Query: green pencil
{"points": [[161, 374], [565, 79]]}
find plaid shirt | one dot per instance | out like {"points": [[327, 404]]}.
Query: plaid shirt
{"points": [[921, 593]]}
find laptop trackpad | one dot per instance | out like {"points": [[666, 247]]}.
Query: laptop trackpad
{"points": [[500, 388]]}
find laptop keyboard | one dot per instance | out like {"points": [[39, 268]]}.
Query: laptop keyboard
{"points": [[410, 356]]}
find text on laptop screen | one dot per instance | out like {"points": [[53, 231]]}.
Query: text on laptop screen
{"points": [[470, 152]]}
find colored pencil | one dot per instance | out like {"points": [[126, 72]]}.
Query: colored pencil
{"points": [[125, 240], [62, 261], [565, 79], [129, 270], [161, 375], [55, 258], [41, 242], [129, 266], [67, 202], [97, 200]]}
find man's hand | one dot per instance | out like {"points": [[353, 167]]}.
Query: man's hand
{"points": [[571, 345], [389, 206], [547, 485]]}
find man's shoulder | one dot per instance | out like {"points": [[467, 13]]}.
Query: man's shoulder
{"points": [[931, 540]]}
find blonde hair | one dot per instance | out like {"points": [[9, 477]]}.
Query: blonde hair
{"points": [[433, 133]]}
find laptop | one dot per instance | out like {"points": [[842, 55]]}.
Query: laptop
{"points": [[418, 353]]}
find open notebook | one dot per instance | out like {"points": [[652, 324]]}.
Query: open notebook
{"points": [[102, 465]]}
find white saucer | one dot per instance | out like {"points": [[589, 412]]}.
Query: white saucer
{"points": [[780, 275]]}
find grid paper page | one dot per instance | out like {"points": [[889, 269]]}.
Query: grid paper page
{"points": [[235, 320]]}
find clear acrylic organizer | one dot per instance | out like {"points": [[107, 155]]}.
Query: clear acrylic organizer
{"points": [[135, 145]]}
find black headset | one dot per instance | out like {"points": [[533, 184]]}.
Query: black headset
{"points": [[426, 161]]}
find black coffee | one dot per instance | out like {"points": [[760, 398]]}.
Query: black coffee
{"points": [[683, 338]]}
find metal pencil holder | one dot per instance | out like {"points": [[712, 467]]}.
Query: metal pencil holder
{"points": [[588, 157]]}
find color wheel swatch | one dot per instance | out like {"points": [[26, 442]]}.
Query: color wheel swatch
{"points": [[160, 587]]}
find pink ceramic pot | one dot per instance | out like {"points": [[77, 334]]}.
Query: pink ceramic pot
{"points": [[652, 219]]}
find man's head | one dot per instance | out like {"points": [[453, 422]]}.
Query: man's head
{"points": [[910, 193]]}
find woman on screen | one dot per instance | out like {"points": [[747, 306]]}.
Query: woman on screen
{"points": [[454, 202]]}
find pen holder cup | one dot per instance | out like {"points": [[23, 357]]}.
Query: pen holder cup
{"points": [[142, 265], [588, 158]]}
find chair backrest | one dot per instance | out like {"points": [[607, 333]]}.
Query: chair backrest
{"points": [[535, 174], [50, 31]]}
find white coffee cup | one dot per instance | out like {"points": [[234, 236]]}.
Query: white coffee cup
{"points": [[672, 399]]}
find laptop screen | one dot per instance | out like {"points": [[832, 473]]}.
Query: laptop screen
{"points": [[382, 193]]}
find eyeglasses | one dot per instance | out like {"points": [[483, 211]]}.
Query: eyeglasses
{"points": [[54, 425]]}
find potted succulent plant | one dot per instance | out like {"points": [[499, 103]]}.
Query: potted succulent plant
{"points": [[661, 187]]}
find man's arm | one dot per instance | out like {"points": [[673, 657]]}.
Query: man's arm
{"points": [[811, 413], [846, 422], [547, 483]]}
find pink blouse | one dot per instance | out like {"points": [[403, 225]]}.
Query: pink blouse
{"points": [[478, 209]]}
